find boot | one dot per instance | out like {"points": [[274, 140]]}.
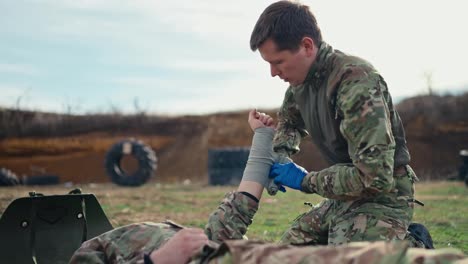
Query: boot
{"points": [[420, 233]]}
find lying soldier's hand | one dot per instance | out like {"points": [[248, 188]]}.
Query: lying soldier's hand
{"points": [[181, 247], [289, 174], [257, 120]]}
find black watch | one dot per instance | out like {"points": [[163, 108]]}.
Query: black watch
{"points": [[147, 259]]}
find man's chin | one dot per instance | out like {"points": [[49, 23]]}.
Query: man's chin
{"points": [[294, 83]]}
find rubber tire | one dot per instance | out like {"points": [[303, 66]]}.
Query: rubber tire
{"points": [[41, 180], [228, 157], [8, 178], [226, 165], [145, 156]]}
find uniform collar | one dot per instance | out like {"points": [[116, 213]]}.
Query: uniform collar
{"points": [[318, 68]]}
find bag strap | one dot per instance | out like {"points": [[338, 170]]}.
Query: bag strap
{"points": [[83, 213]]}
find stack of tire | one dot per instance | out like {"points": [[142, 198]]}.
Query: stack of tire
{"points": [[8, 178], [463, 171], [142, 153], [226, 165], [43, 179]]}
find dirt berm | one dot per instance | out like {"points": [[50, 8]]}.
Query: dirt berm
{"points": [[73, 147]]}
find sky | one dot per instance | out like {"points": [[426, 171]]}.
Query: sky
{"points": [[193, 57]]}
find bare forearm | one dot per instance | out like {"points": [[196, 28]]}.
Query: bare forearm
{"points": [[254, 188]]}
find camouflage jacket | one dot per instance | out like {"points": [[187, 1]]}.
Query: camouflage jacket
{"points": [[127, 244], [345, 105]]}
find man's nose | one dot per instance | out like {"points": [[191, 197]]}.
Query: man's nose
{"points": [[274, 71]]}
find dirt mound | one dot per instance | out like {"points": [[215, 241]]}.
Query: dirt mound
{"points": [[74, 147], [436, 130]]}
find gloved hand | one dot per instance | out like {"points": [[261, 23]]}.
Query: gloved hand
{"points": [[289, 174]]}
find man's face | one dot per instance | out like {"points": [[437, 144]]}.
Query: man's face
{"points": [[290, 66]]}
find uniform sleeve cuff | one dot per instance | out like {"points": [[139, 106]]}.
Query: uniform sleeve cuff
{"points": [[250, 196], [309, 183]]}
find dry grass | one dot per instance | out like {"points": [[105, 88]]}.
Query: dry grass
{"points": [[444, 213]]}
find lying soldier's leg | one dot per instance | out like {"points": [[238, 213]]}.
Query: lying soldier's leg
{"points": [[241, 251], [312, 227]]}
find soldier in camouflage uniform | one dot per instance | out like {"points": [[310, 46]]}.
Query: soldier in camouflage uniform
{"points": [[345, 105]]}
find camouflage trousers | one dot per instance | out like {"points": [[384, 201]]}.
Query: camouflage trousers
{"points": [[336, 222]]}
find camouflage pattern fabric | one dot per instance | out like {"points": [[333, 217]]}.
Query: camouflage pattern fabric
{"points": [[383, 216], [290, 127], [239, 251], [380, 217], [128, 244], [345, 105], [334, 222], [231, 219]]}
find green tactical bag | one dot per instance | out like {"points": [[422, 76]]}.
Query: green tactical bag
{"points": [[48, 229]]}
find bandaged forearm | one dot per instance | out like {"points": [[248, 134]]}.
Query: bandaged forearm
{"points": [[261, 156]]}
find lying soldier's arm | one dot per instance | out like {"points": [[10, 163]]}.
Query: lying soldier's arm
{"points": [[232, 217]]}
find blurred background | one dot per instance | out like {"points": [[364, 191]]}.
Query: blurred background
{"points": [[78, 76]]}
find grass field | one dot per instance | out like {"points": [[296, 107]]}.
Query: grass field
{"points": [[445, 212]]}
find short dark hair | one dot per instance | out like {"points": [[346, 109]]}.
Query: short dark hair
{"points": [[286, 23]]}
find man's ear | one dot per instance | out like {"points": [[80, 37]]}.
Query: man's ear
{"points": [[309, 45]]}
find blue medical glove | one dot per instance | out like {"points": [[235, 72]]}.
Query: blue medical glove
{"points": [[289, 174]]}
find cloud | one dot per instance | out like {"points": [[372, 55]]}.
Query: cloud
{"points": [[194, 56], [21, 69], [183, 96], [214, 66], [10, 90]]}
